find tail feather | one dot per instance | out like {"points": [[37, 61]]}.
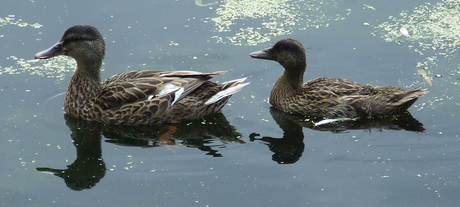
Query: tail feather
{"points": [[193, 74], [411, 96], [407, 99], [376, 105], [229, 88], [401, 102]]}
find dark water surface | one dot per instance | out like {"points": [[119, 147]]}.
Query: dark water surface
{"points": [[250, 155]]}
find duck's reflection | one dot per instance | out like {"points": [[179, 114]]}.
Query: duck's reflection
{"points": [[290, 147], [89, 167], [196, 134]]}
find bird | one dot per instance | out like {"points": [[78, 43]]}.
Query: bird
{"points": [[140, 97], [326, 97]]}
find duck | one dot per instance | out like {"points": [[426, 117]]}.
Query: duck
{"points": [[326, 97], [140, 97]]}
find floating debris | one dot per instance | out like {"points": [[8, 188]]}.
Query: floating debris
{"points": [[404, 31], [425, 76], [328, 121], [365, 6], [325, 121], [200, 3]]}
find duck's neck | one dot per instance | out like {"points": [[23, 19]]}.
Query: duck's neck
{"points": [[83, 87], [288, 84]]}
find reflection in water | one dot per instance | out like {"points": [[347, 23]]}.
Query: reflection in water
{"points": [[89, 167], [289, 149], [201, 134], [403, 121]]}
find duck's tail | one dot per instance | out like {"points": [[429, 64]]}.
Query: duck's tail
{"points": [[389, 101], [228, 88], [395, 103], [409, 97]]}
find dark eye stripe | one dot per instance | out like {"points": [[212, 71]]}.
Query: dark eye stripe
{"points": [[78, 39], [84, 38]]}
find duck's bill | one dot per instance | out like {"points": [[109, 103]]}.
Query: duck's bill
{"points": [[261, 54], [53, 51]]}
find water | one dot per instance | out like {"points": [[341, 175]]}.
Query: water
{"points": [[250, 155]]}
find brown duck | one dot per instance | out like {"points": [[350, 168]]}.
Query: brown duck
{"points": [[139, 97], [329, 97]]}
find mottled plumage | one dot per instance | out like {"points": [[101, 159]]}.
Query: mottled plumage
{"points": [[137, 97], [329, 97]]}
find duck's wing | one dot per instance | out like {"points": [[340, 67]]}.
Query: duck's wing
{"points": [[138, 86], [136, 74], [335, 87], [328, 97], [343, 98], [385, 100]]}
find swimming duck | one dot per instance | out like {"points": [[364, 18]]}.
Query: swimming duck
{"points": [[329, 97], [139, 97]]}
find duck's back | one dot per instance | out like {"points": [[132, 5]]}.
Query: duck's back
{"points": [[130, 75]]}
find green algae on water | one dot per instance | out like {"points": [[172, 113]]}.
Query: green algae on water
{"points": [[52, 68], [428, 29], [250, 22], [433, 31]]}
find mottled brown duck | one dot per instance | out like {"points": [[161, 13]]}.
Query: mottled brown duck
{"points": [[329, 97], [139, 97]]}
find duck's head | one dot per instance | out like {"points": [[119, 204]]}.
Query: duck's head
{"points": [[289, 53], [82, 42]]}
